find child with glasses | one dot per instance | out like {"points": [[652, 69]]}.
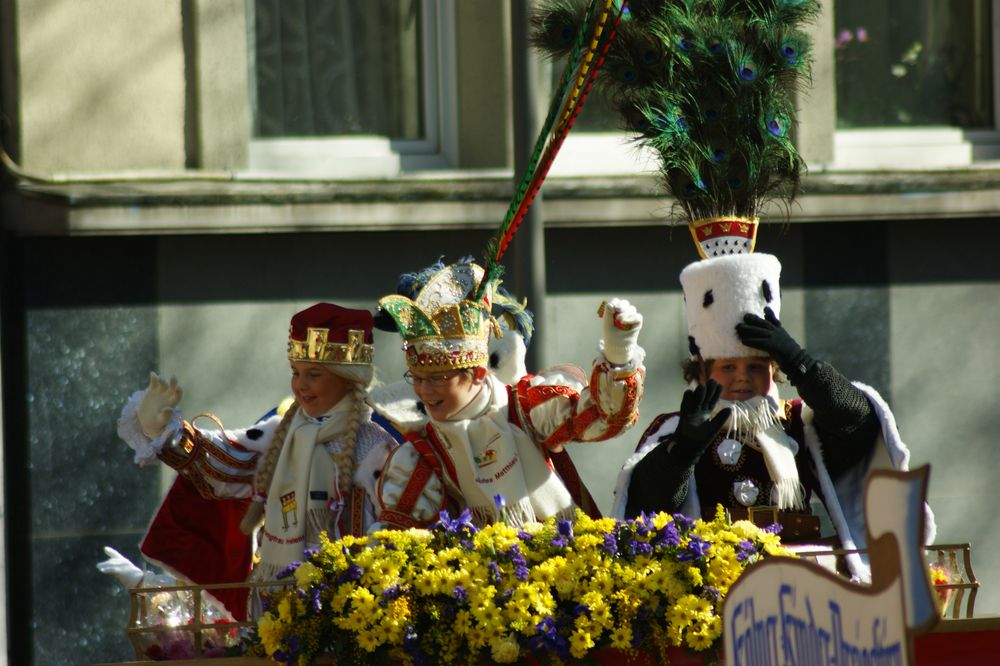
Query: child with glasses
{"points": [[482, 439]]}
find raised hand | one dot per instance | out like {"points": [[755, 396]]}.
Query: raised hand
{"points": [[120, 567], [157, 406], [769, 335], [697, 427], [622, 323]]}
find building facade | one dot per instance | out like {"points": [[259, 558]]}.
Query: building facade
{"points": [[183, 175]]}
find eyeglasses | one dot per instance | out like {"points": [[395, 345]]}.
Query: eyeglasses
{"points": [[433, 380]]}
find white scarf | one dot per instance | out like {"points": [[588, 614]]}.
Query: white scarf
{"points": [[493, 457], [755, 423], [292, 518]]}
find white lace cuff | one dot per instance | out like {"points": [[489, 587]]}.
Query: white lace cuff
{"points": [[636, 357], [131, 432]]}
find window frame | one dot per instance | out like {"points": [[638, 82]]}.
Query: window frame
{"points": [[373, 156], [926, 147]]}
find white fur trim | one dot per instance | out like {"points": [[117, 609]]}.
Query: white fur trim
{"points": [[130, 431], [398, 403], [509, 353], [735, 283], [847, 512], [369, 466], [637, 356]]}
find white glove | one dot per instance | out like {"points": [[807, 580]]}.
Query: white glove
{"points": [[157, 406], [120, 567], [622, 323]]}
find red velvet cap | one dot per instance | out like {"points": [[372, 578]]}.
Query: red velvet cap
{"points": [[328, 333]]}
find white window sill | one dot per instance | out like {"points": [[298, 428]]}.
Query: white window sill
{"points": [[914, 148]]}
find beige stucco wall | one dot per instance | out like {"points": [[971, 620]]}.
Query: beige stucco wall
{"points": [[101, 85]]}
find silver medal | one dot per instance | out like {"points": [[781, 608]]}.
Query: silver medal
{"points": [[729, 451], [746, 492]]}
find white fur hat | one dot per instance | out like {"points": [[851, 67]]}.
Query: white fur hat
{"points": [[719, 291]]}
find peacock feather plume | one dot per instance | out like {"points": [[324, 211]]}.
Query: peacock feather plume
{"points": [[709, 86]]}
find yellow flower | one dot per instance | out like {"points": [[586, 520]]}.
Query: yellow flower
{"points": [[505, 650], [579, 642], [367, 641], [621, 637], [285, 609], [307, 574], [271, 631]]}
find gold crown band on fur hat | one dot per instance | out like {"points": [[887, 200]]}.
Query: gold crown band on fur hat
{"points": [[316, 348], [724, 235]]}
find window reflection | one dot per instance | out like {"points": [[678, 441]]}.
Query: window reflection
{"points": [[913, 62], [336, 67]]}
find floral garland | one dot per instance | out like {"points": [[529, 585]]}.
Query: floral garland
{"points": [[556, 590]]}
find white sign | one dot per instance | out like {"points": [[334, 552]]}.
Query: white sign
{"points": [[788, 612], [780, 616]]}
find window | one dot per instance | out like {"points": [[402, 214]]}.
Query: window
{"points": [[349, 89], [915, 82], [598, 143]]}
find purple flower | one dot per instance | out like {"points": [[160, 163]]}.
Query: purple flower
{"points": [[390, 593], [500, 502], [460, 526], [524, 536], [861, 34], [668, 536], [353, 572], [309, 552], [745, 550], [697, 549], [845, 37], [520, 564], [610, 545], [683, 522], [711, 594], [461, 596], [494, 572], [774, 528], [548, 640], [640, 548], [288, 571], [565, 534], [316, 603]]}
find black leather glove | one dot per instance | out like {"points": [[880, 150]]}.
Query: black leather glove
{"points": [[697, 427], [768, 335]]}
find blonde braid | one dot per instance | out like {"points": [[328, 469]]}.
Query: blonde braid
{"points": [[345, 457], [265, 472]]}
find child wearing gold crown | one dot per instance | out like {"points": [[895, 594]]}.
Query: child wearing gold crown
{"points": [[733, 441], [297, 474], [484, 445]]}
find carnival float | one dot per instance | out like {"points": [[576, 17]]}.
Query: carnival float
{"points": [[709, 86]]}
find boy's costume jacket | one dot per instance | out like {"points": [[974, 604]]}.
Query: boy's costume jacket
{"points": [[842, 496], [195, 534], [507, 442]]}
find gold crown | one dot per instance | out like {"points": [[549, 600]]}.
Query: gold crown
{"points": [[317, 348], [442, 328]]}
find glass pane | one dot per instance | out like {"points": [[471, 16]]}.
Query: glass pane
{"points": [[914, 62], [336, 67], [84, 492]]}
